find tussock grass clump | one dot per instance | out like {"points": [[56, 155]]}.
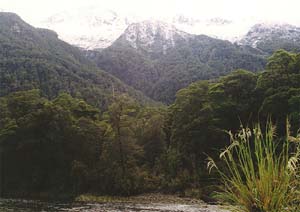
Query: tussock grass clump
{"points": [[260, 174]]}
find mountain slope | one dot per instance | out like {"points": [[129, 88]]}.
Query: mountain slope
{"points": [[159, 60], [202, 58], [35, 58]]}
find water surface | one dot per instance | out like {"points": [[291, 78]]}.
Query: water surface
{"points": [[10, 205]]}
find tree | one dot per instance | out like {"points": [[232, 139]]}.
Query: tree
{"points": [[124, 149], [150, 134]]}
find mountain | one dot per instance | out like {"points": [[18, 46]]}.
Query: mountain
{"points": [[33, 58], [152, 37], [88, 28], [161, 57], [158, 59], [97, 28], [270, 37]]}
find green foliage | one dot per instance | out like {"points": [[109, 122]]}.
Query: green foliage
{"points": [[46, 138], [67, 145], [201, 112], [260, 174]]}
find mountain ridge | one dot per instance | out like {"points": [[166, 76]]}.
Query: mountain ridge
{"points": [[270, 37], [94, 28], [34, 58], [97, 28]]}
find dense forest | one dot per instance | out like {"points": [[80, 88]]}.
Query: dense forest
{"points": [[65, 145]]}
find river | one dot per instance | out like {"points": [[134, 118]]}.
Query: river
{"points": [[12, 205]]}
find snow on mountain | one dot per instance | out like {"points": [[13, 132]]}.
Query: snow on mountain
{"points": [[97, 28], [214, 27], [153, 36], [270, 32], [93, 28]]}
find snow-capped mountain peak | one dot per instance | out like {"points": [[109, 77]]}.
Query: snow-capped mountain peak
{"points": [[93, 28], [153, 36], [270, 31]]}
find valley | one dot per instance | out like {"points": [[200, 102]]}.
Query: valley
{"points": [[121, 113]]}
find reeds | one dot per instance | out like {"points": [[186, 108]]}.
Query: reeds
{"points": [[260, 173]]}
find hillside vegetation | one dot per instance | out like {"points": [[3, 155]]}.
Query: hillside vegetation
{"points": [[32, 58], [66, 145], [160, 74]]}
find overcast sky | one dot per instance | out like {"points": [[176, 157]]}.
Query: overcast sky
{"points": [[268, 10]]}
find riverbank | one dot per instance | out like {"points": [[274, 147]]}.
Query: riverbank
{"points": [[143, 198]]}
